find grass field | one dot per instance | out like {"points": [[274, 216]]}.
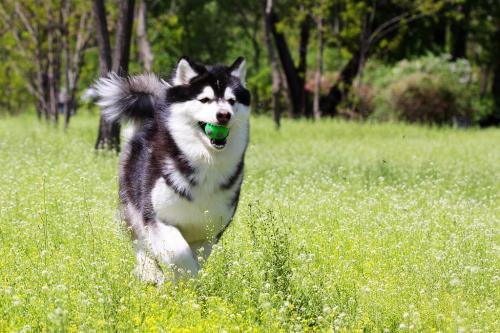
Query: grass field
{"points": [[341, 226]]}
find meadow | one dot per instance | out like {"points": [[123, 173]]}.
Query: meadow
{"points": [[341, 226]]}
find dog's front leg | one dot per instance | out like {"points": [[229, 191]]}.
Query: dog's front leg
{"points": [[202, 250], [147, 268], [171, 250]]}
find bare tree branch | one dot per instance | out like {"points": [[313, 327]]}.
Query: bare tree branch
{"points": [[393, 21], [382, 33]]}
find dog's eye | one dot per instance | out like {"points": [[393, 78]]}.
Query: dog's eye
{"points": [[231, 101], [205, 100]]}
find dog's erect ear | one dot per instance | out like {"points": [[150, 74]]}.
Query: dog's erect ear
{"points": [[238, 69], [185, 71]]}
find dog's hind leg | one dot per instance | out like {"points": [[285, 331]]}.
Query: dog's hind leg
{"points": [[147, 268], [171, 250]]}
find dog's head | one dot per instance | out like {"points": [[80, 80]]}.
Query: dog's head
{"points": [[215, 95]]}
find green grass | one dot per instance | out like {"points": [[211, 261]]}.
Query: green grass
{"points": [[341, 226]]}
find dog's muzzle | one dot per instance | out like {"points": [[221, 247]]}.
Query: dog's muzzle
{"points": [[216, 140]]}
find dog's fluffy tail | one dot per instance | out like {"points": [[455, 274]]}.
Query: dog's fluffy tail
{"points": [[131, 98]]}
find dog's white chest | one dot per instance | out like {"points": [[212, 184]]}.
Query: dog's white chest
{"points": [[199, 219]]}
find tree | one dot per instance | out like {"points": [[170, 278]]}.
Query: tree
{"points": [[295, 75], [372, 23], [318, 13], [49, 40], [109, 132], [494, 118], [145, 52], [267, 6], [203, 29], [459, 28], [73, 55], [485, 51], [249, 20]]}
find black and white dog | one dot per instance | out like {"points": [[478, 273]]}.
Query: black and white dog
{"points": [[179, 189]]}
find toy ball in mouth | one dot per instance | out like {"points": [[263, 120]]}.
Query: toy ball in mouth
{"points": [[216, 132]]}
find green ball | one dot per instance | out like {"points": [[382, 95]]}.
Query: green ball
{"points": [[216, 132]]}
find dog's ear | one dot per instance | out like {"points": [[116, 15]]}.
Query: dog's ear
{"points": [[238, 69], [185, 71]]}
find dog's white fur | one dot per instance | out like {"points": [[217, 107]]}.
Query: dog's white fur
{"points": [[208, 205], [113, 88], [184, 227]]}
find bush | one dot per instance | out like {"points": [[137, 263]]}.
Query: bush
{"points": [[429, 90], [359, 104], [426, 98]]}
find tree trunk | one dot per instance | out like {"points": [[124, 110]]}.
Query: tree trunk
{"points": [[494, 118], [108, 135], [57, 66], [267, 6], [142, 37], [44, 91], [294, 86], [484, 80], [440, 32], [251, 29], [102, 36], [363, 54], [109, 132], [340, 89], [73, 58], [319, 70], [256, 66], [66, 48], [52, 72], [459, 32], [305, 28], [121, 53], [41, 78]]}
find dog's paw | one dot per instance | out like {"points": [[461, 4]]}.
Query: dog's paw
{"points": [[148, 271]]}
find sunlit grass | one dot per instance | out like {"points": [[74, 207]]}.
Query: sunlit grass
{"points": [[340, 226]]}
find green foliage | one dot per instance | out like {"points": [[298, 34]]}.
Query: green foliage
{"points": [[14, 98], [217, 31], [342, 226], [261, 82], [192, 28], [24, 50], [429, 89], [484, 21]]}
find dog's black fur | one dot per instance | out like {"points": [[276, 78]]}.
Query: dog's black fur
{"points": [[149, 103]]}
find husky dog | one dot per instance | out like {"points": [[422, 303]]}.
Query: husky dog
{"points": [[179, 189]]}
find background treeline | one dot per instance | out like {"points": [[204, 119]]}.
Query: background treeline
{"points": [[427, 61]]}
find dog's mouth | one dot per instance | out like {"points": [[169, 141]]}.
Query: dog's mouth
{"points": [[216, 142]]}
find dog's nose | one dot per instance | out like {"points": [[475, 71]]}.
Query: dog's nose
{"points": [[223, 117]]}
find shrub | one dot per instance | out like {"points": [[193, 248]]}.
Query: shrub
{"points": [[426, 98], [429, 90], [360, 103]]}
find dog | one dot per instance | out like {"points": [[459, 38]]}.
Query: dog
{"points": [[179, 188]]}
